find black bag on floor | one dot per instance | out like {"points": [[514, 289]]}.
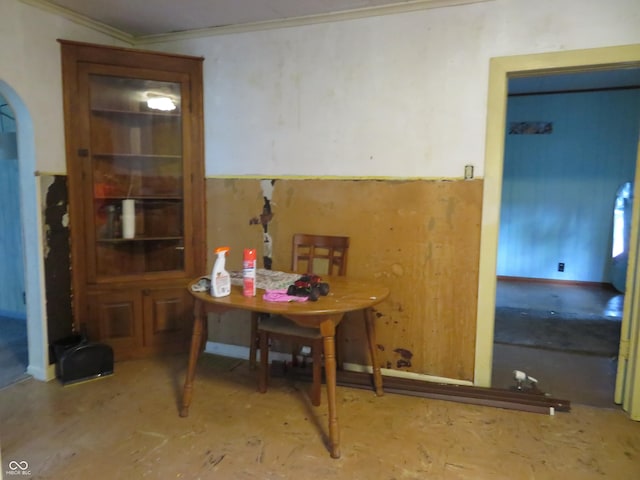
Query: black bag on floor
{"points": [[77, 359]]}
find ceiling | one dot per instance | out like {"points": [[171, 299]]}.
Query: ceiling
{"points": [[157, 17], [139, 20]]}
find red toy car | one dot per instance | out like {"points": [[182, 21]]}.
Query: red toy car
{"points": [[310, 286]]}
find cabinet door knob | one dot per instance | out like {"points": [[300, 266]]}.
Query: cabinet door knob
{"points": [[83, 152], [146, 292]]}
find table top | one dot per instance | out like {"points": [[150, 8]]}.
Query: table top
{"points": [[346, 294]]}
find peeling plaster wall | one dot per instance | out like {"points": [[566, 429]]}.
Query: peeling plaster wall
{"points": [[57, 262], [420, 238]]}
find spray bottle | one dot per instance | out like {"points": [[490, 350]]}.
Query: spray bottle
{"points": [[220, 279], [249, 272]]}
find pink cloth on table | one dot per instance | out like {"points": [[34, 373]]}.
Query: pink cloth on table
{"points": [[281, 296]]}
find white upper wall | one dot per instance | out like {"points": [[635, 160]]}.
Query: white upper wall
{"points": [[30, 65], [400, 95]]}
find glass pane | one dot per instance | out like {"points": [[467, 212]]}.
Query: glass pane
{"points": [[137, 175]]}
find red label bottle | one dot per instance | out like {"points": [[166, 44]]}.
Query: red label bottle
{"points": [[249, 272]]}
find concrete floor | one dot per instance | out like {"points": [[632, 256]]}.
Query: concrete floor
{"points": [[587, 299], [126, 426], [583, 379]]}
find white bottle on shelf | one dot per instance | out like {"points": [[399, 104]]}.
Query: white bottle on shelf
{"points": [[128, 218]]}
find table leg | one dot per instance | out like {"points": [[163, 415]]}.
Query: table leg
{"points": [[263, 374], [196, 342], [204, 335], [255, 316], [328, 332], [369, 322]]}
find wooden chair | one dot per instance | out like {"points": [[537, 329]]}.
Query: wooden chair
{"points": [[319, 254]]}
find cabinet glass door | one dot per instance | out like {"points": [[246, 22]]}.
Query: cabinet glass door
{"points": [[135, 172]]}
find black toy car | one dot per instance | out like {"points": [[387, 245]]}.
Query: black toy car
{"points": [[310, 286]]}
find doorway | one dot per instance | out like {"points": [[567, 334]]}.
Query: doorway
{"points": [[502, 69], [557, 313]]}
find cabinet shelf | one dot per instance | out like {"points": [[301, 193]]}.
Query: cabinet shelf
{"points": [[135, 113], [135, 156], [141, 239], [142, 198]]}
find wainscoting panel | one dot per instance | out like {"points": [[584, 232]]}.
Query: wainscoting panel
{"points": [[421, 238]]}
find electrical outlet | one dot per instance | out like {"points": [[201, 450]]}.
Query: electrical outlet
{"points": [[561, 267]]}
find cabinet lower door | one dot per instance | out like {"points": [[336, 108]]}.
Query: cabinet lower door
{"points": [[138, 322], [168, 317], [114, 320]]}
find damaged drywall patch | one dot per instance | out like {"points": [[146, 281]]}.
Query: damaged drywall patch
{"points": [[57, 257], [406, 356], [263, 219]]}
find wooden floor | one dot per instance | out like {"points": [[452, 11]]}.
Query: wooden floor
{"points": [[126, 426]]}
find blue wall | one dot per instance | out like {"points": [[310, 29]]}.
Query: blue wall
{"points": [[559, 189], [11, 256]]}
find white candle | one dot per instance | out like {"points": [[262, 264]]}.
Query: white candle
{"points": [[128, 218]]}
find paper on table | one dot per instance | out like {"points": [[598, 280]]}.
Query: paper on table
{"points": [[268, 279]]}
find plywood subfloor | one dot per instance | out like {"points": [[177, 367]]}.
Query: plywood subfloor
{"points": [[127, 426]]}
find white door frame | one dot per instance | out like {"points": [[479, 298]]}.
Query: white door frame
{"points": [[628, 375], [30, 213], [501, 69]]}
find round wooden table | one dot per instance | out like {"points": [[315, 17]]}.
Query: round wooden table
{"points": [[347, 294]]}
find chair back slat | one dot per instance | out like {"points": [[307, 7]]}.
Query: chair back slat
{"points": [[319, 254]]}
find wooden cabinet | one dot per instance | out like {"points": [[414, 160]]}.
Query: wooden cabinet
{"points": [[152, 320], [133, 126]]}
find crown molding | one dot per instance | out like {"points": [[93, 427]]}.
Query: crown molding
{"points": [[82, 20], [401, 7], [355, 14]]}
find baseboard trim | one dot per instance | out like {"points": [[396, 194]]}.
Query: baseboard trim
{"points": [[387, 372], [43, 374], [240, 352], [554, 281]]}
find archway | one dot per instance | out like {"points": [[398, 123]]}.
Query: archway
{"points": [[32, 237]]}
